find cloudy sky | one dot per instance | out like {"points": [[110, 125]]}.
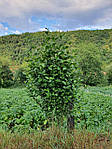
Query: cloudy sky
{"points": [[18, 16]]}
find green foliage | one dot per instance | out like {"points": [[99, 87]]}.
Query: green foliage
{"points": [[19, 76], [90, 64], [19, 112], [16, 48], [94, 110], [108, 70], [109, 74], [6, 76], [53, 76], [0, 74]]}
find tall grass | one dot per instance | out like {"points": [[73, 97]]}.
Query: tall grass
{"points": [[55, 138]]}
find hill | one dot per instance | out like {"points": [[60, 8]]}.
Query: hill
{"points": [[14, 49], [16, 46]]}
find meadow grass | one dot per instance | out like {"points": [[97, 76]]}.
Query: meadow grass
{"points": [[55, 138]]}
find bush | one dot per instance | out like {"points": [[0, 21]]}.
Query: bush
{"points": [[18, 112], [0, 74], [108, 70], [6, 76], [91, 68], [19, 77], [53, 75], [90, 64]]}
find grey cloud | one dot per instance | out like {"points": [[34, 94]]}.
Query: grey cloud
{"points": [[70, 13], [23, 23]]}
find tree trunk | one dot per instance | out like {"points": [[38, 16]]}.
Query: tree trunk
{"points": [[70, 119]]}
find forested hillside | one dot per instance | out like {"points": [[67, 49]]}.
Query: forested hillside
{"points": [[15, 49]]}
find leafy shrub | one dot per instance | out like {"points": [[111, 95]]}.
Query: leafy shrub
{"points": [[6, 76], [108, 70], [19, 77], [90, 64], [53, 75], [0, 74], [94, 111], [18, 112]]}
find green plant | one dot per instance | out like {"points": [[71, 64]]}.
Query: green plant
{"points": [[19, 76], [90, 64], [94, 111], [6, 76], [19, 112], [108, 70], [53, 76], [0, 74]]}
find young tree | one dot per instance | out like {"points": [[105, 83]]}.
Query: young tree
{"points": [[6, 76], [53, 76], [90, 64]]}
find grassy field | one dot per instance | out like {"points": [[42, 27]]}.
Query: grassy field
{"points": [[21, 115], [55, 138]]}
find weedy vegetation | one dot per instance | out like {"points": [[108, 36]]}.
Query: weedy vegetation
{"points": [[60, 94], [22, 122]]}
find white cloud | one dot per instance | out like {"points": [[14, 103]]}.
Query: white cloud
{"points": [[2, 28], [23, 24], [5, 30], [16, 32], [42, 29], [12, 8], [6, 33], [18, 13], [94, 27]]}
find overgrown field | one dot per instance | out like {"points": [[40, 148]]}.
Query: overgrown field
{"points": [[92, 111], [55, 138], [21, 114]]}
